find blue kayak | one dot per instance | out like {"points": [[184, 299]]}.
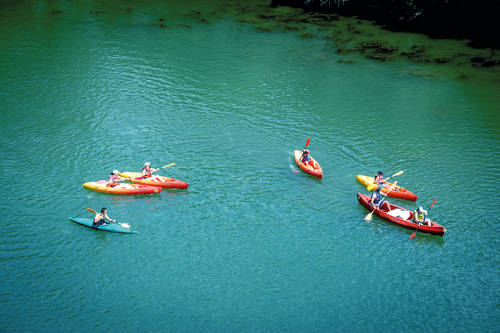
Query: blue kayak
{"points": [[111, 227]]}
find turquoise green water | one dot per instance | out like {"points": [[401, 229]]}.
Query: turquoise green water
{"points": [[250, 246]]}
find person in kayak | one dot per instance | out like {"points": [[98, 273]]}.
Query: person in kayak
{"points": [[100, 218], [377, 200], [420, 216], [379, 178], [114, 179], [147, 171], [306, 159]]}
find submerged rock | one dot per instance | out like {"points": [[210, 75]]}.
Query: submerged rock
{"points": [[348, 50], [371, 45], [491, 63], [307, 35], [477, 59], [346, 61], [442, 60], [378, 57]]}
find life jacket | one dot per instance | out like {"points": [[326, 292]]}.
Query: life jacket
{"points": [[305, 158], [378, 198], [379, 178], [148, 172], [98, 220], [419, 216], [113, 180]]}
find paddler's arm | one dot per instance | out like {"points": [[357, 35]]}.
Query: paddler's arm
{"points": [[107, 218]]}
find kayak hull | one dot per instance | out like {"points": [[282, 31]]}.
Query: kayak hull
{"points": [[314, 170], [158, 181], [397, 192], [110, 227], [101, 186], [401, 216]]}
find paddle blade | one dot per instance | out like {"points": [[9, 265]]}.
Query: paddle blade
{"points": [[412, 235], [91, 210], [368, 217], [168, 165], [398, 173], [125, 225], [433, 203], [307, 142]]}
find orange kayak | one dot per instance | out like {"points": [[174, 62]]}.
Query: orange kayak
{"points": [[312, 167]]}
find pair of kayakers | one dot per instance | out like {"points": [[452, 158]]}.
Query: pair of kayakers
{"points": [[114, 177], [377, 201]]}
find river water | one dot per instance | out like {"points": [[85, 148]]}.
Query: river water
{"points": [[252, 245]]}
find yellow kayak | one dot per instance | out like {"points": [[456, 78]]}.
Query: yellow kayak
{"points": [[123, 188], [397, 192]]}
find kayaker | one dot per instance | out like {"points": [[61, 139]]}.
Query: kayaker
{"points": [[377, 199], [100, 218], [379, 177], [420, 216], [306, 159], [114, 179], [147, 171]]}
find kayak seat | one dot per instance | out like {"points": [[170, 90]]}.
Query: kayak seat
{"points": [[400, 213]]}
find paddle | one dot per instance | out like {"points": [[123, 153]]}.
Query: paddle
{"points": [[168, 165], [368, 217], [432, 204], [371, 187], [125, 225]]}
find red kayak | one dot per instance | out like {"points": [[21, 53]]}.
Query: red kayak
{"points": [[312, 167], [401, 216]]}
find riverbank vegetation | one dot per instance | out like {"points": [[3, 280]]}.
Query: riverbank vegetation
{"points": [[461, 19]]}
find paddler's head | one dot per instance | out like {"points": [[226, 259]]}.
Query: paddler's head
{"points": [[103, 210], [380, 172], [115, 172]]}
